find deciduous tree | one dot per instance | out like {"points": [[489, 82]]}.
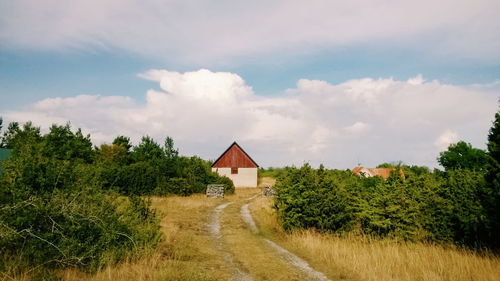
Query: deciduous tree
{"points": [[463, 156]]}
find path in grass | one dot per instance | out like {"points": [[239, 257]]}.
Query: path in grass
{"points": [[292, 259], [253, 256], [215, 231]]}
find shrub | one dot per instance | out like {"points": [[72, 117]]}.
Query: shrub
{"points": [[86, 229], [425, 206], [54, 212]]}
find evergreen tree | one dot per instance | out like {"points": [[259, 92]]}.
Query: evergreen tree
{"points": [[63, 144], [492, 177], [15, 135], [123, 141]]}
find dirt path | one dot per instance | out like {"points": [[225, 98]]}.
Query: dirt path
{"points": [[247, 217], [252, 256], [215, 231], [292, 259]]}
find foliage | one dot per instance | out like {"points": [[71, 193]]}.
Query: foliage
{"points": [[424, 206], [112, 154], [270, 172], [154, 170], [492, 193], [65, 203], [123, 141], [54, 212], [15, 134], [390, 165], [463, 156]]}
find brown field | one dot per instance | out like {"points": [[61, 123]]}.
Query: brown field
{"points": [[187, 251]]}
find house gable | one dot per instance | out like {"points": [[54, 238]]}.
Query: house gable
{"points": [[234, 156]]}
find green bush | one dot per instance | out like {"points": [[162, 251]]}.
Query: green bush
{"points": [[138, 178], [227, 182], [85, 229], [55, 214], [179, 186], [153, 170], [67, 204], [425, 206]]}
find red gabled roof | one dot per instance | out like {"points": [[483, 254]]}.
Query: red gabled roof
{"points": [[372, 172], [234, 156]]}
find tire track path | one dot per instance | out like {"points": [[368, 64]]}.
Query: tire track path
{"points": [[214, 228], [289, 257]]}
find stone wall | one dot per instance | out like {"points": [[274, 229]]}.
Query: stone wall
{"points": [[215, 191]]}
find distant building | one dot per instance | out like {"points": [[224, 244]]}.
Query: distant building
{"points": [[373, 172], [237, 165]]}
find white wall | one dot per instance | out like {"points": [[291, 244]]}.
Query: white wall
{"points": [[246, 177]]}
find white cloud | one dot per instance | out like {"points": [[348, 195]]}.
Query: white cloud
{"points": [[445, 139], [366, 120], [357, 128], [197, 31], [417, 80]]}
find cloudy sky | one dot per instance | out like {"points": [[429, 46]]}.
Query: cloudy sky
{"points": [[332, 82]]}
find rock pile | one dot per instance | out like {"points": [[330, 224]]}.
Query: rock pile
{"points": [[215, 191], [268, 191]]}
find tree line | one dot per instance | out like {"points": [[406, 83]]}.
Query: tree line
{"points": [[67, 203], [459, 205]]}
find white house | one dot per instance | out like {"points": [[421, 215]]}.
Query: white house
{"points": [[237, 165]]}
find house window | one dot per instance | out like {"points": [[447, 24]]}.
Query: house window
{"points": [[234, 170]]}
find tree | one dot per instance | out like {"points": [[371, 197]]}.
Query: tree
{"points": [[393, 164], [112, 154], [171, 162], [16, 136], [493, 167], [463, 156], [170, 151], [147, 150], [63, 144], [123, 141], [492, 178]]}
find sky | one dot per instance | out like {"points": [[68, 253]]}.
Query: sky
{"points": [[340, 83]]}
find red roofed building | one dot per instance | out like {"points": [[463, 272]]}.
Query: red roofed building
{"points": [[372, 172], [237, 165]]}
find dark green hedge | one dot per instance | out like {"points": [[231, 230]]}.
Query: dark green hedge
{"points": [[426, 206]]}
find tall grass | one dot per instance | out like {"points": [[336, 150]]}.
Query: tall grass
{"points": [[365, 258], [185, 253]]}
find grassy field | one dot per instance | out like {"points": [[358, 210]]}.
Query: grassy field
{"points": [[187, 251], [356, 258], [184, 254]]}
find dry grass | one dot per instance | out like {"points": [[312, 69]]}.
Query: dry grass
{"points": [[266, 181], [354, 257], [186, 252], [251, 253]]}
